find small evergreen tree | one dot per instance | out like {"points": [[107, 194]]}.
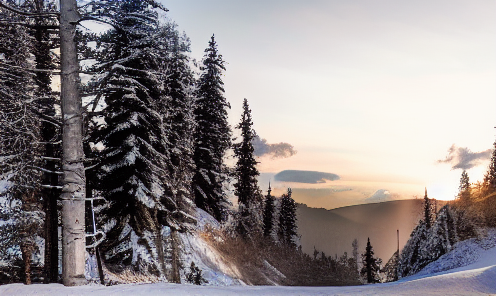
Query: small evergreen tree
{"points": [[268, 214], [355, 254], [287, 227], [212, 136], [194, 276], [427, 210], [371, 265], [464, 189], [490, 176], [246, 186]]}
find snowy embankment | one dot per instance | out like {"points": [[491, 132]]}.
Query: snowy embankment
{"points": [[476, 278]]}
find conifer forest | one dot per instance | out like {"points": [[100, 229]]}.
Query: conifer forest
{"points": [[113, 148]]}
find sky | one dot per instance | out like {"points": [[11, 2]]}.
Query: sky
{"points": [[375, 92]]}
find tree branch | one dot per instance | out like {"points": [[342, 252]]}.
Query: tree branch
{"points": [[28, 14]]}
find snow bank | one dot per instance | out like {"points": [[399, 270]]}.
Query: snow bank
{"points": [[476, 278]]}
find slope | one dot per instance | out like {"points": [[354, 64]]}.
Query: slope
{"points": [[332, 231]]}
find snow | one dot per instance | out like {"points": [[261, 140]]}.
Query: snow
{"points": [[476, 275]]}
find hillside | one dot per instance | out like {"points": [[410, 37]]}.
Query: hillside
{"points": [[332, 231]]}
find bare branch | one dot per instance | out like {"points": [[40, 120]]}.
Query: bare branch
{"points": [[28, 14]]}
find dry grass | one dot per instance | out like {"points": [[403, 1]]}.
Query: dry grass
{"points": [[260, 262]]}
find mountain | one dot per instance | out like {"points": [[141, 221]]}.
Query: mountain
{"points": [[333, 231]]}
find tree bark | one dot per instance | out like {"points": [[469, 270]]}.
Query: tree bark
{"points": [[175, 276], [26, 252], [74, 183]]}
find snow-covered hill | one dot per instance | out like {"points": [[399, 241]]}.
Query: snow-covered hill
{"points": [[477, 277]]}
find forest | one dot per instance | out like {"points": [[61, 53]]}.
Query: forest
{"points": [[117, 162]]}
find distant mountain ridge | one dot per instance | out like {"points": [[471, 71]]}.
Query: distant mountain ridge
{"points": [[332, 231]]}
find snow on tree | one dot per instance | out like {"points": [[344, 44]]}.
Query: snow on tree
{"points": [[268, 215], [287, 229], [246, 174], [371, 265], [20, 144], [427, 245], [464, 189], [134, 172], [427, 211], [178, 116], [212, 136], [491, 173]]}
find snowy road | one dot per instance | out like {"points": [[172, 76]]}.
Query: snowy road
{"points": [[478, 278]]}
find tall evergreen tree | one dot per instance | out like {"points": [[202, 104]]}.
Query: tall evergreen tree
{"points": [[371, 265], [287, 227], [178, 116], [268, 214], [135, 165], [246, 186], [212, 136], [20, 143]]}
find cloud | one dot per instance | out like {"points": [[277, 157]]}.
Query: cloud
{"points": [[310, 177], [382, 195], [463, 158], [279, 150]]}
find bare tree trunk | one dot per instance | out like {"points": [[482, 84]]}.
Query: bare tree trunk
{"points": [[74, 183], [175, 276], [26, 252]]}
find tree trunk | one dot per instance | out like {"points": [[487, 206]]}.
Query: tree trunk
{"points": [[26, 251], [175, 276], [74, 183]]}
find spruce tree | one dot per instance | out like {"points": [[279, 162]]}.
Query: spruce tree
{"points": [[246, 186], [20, 144], [427, 210], [212, 136], [371, 265], [491, 173], [134, 165], [287, 227], [464, 188], [177, 112], [268, 214]]}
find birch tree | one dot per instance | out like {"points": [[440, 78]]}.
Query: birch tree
{"points": [[73, 182]]}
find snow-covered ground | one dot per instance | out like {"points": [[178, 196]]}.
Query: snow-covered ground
{"points": [[476, 278]]}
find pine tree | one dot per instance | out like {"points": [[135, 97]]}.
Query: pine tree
{"points": [[371, 265], [135, 166], [212, 136], [177, 114], [464, 188], [268, 214], [20, 143], [287, 227], [427, 211], [246, 186], [355, 254], [491, 173]]}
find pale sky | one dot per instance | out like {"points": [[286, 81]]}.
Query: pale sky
{"points": [[373, 91]]}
